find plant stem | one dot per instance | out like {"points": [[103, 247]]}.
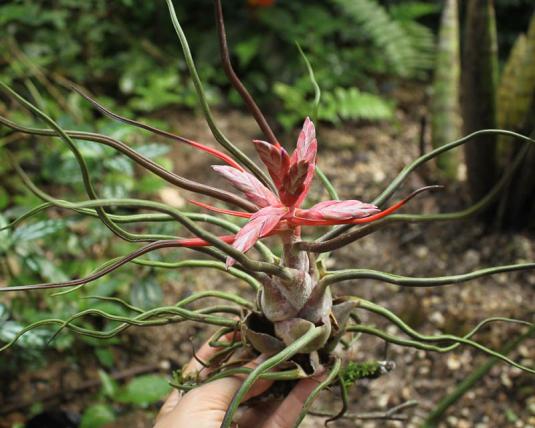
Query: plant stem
{"points": [[235, 80], [218, 135], [145, 162], [312, 396], [271, 362], [398, 181], [438, 412], [407, 281]]}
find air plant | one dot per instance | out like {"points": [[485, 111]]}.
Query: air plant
{"points": [[297, 322]]}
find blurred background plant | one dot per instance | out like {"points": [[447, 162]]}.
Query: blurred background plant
{"points": [[356, 48], [473, 91], [361, 51]]}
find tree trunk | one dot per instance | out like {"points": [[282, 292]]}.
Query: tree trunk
{"points": [[446, 122], [516, 111], [479, 82]]}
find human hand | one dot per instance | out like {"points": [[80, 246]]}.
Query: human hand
{"points": [[205, 406]]}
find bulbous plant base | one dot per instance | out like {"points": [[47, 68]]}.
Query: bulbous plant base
{"points": [[258, 335], [269, 337]]}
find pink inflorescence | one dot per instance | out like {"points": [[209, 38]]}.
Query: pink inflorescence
{"points": [[281, 212]]}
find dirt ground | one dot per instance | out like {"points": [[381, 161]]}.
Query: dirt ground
{"points": [[361, 160]]}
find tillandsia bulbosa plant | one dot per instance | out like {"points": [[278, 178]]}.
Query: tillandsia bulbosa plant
{"points": [[296, 321]]}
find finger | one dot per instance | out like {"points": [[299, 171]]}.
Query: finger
{"points": [[225, 388], [207, 404], [288, 411], [170, 403], [253, 416], [204, 353]]}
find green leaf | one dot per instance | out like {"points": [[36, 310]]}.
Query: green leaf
{"points": [[19, 12], [511, 416], [247, 49], [105, 357], [4, 198], [410, 11], [5, 240], [388, 35], [146, 293], [153, 150], [40, 229], [30, 339], [45, 268], [149, 184], [96, 416], [353, 104], [144, 390], [106, 286], [109, 386], [63, 341], [119, 164], [111, 308], [4, 314], [99, 341]]}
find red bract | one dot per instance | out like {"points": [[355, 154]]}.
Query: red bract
{"points": [[276, 159], [292, 176], [261, 224], [299, 176], [247, 183], [339, 210]]}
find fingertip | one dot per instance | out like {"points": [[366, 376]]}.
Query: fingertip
{"points": [[303, 388], [206, 352], [170, 403], [288, 411]]}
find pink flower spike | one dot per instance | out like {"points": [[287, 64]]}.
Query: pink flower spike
{"points": [[339, 210], [249, 185], [397, 205], [306, 184], [261, 224], [294, 183], [321, 215], [304, 154], [307, 144], [275, 158]]}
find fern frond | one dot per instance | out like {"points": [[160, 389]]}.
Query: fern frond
{"points": [[424, 46], [353, 104], [401, 41], [412, 10], [340, 103]]}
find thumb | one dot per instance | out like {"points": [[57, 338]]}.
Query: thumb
{"points": [[207, 404], [170, 403]]}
